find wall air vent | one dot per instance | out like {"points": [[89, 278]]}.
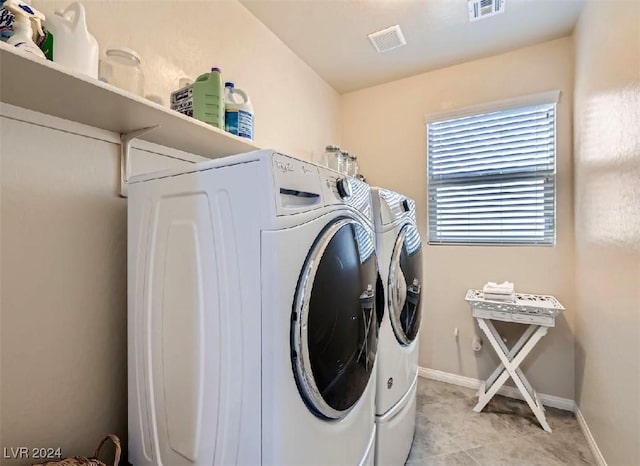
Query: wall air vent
{"points": [[479, 9], [387, 39]]}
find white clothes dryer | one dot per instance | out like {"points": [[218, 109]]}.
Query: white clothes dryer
{"points": [[399, 252], [252, 327]]}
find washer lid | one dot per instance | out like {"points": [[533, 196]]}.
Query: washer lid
{"points": [[334, 333], [405, 284]]}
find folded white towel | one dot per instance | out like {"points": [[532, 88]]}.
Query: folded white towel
{"points": [[506, 288], [507, 298]]}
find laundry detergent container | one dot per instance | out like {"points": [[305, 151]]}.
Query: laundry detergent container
{"points": [[73, 46]]}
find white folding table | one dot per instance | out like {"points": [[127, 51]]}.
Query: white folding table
{"points": [[539, 311]]}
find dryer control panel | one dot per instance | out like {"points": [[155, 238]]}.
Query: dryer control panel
{"points": [[302, 186], [298, 186], [340, 189], [394, 206]]}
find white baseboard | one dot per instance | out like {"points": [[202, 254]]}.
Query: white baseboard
{"points": [[511, 392], [590, 440]]}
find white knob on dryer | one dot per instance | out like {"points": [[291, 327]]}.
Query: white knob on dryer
{"points": [[344, 187]]}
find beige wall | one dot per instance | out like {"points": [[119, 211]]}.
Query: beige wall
{"points": [[384, 126], [607, 212], [295, 110]]}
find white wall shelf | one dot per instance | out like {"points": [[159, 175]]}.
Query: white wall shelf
{"points": [[46, 87]]}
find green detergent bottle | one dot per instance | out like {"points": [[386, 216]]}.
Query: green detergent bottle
{"points": [[202, 100]]}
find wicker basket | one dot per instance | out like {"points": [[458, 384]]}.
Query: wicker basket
{"points": [[93, 461]]}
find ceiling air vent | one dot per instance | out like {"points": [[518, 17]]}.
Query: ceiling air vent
{"points": [[387, 39], [479, 9]]}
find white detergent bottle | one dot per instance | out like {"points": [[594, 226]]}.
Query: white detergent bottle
{"points": [[22, 37], [238, 115], [73, 44]]}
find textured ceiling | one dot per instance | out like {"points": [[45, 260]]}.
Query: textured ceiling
{"points": [[331, 35]]}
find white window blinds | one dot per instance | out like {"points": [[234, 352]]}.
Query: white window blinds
{"points": [[492, 177]]}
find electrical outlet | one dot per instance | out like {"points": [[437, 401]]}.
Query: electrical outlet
{"points": [[476, 344]]}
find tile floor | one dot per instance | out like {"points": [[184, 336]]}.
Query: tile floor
{"points": [[449, 432]]}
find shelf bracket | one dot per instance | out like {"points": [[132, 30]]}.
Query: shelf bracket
{"points": [[125, 155]]}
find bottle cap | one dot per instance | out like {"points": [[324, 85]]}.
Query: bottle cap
{"points": [[215, 68], [332, 148], [229, 84]]}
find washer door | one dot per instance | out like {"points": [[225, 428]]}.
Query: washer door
{"points": [[405, 285], [334, 324]]}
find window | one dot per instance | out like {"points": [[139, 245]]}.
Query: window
{"points": [[491, 174]]}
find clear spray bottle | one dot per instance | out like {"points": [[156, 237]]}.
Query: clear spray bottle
{"points": [[22, 37]]}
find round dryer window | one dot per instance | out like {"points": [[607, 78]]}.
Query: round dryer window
{"points": [[334, 324], [405, 284]]}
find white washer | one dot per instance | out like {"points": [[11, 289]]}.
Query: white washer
{"points": [[400, 261], [252, 322]]}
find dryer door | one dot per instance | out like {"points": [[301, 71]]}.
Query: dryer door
{"points": [[405, 285], [334, 331]]}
